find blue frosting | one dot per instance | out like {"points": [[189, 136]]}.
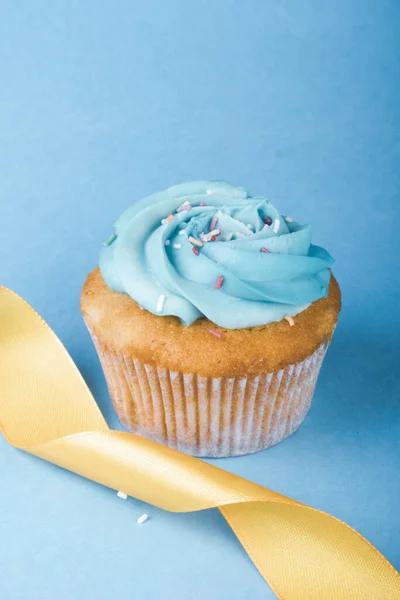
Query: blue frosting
{"points": [[152, 259]]}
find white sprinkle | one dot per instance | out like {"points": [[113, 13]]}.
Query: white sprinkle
{"points": [[209, 192], [182, 231], [164, 221], [177, 246], [167, 242], [143, 518], [160, 303], [277, 224], [122, 495], [288, 219], [289, 320], [206, 237]]}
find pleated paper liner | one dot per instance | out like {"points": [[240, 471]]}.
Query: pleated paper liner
{"points": [[206, 416]]}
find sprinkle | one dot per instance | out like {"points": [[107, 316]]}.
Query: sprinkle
{"points": [[264, 250], [167, 242], [182, 231], [141, 307], [194, 241], [289, 320], [219, 282], [167, 219], [288, 219], [213, 223], [268, 220], [203, 204], [184, 206], [213, 238], [277, 224], [177, 246], [196, 251], [160, 303], [207, 237], [143, 518], [217, 334], [122, 495], [110, 240], [209, 192]]}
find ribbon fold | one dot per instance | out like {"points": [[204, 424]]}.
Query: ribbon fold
{"points": [[46, 409]]}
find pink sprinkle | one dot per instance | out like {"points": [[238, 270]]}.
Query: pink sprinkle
{"points": [[203, 204], [219, 282], [217, 334], [213, 223], [141, 307], [264, 250], [213, 238], [195, 250]]}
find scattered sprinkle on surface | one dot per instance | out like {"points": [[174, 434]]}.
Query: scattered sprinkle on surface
{"points": [[209, 192], [182, 231], [143, 518], [203, 204], [268, 220], [288, 219], [110, 240], [195, 241], [219, 282], [177, 246], [216, 334], [196, 251], [169, 218], [122, 495], [160, 303], [289, 320], [264, 250], [277, 224], [141, 306]]}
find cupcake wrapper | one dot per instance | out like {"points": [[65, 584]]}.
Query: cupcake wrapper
{"points": [[206, 416]]}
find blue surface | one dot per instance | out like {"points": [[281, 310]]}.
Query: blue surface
{"points": [[102, 103]]}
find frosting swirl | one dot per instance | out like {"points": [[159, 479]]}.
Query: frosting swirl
{"points": [[254, 266]]}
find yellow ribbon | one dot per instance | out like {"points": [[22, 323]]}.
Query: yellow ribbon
{"points": [[47, 410]]}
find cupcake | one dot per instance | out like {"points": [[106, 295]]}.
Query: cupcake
{"points": [[211, 314]]}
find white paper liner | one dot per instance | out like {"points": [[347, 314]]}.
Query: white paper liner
{"points": [[206, 416]]}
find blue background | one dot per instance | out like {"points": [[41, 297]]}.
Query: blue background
{"points": [[103, 102]]}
